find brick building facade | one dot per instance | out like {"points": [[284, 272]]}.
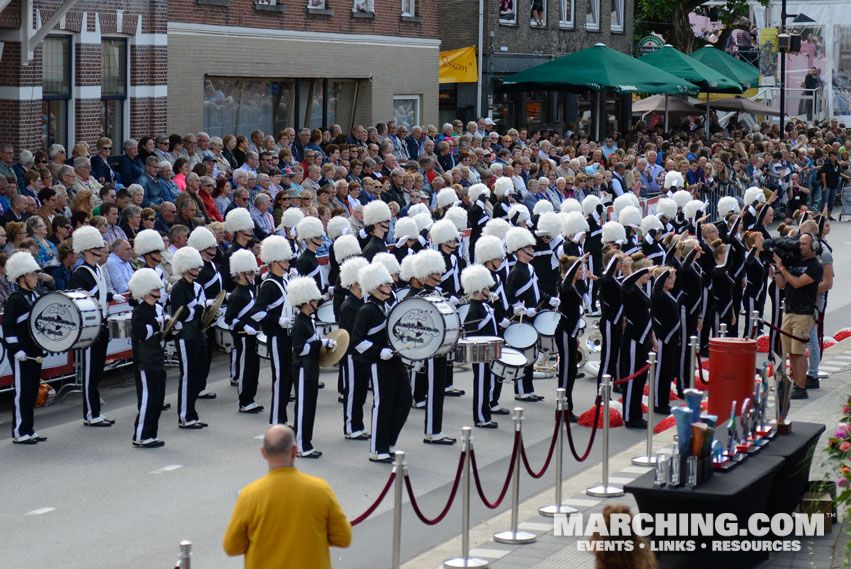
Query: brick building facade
{"points": [[513, 42]]}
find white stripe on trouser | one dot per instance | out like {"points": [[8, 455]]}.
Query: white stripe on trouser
{"points": [[243, 342], [87, 380], [233, 361], [299, 409], [604, 368], [143, 408], [657, 391], [565, 342], [184, 380], [480, 400], [19, 383], [429, 424], [629, 385], [276, 379], [376, 401], [350, 394]]}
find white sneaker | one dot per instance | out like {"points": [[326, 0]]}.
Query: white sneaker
{"points": [[380, 457]]}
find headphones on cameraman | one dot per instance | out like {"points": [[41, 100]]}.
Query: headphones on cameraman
{"points": [[816, 246]]}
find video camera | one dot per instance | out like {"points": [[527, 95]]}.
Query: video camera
{"points": [[787, 248]]}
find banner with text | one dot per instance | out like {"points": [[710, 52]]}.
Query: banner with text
{"points": [[459, 66]]}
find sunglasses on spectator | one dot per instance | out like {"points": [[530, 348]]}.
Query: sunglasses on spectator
{"points": [[107, 148]]}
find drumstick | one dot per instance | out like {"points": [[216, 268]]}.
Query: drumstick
{"points": [[407, 346], [37, 359]]}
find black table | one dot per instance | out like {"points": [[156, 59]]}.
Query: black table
{"points": [[771, 481]]}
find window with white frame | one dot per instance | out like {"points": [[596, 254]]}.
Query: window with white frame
{"points": [[592, 15], [409, 8], [363, 6], [508, 12], [316, 4], [565, 19], [56, 89], [538, 17], [113, 73], [617, 15], [406, 110]]}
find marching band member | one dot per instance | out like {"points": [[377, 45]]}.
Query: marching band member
{"points": [[238, 223], [241, 317], [491, 254], [693, 302], [88, 243], [524, 296], [611, 303], [667, 326], [575, 230], [336, 227], [446, 198], [444, 235], [430, 381], [376, 222], [304, 295], [310, 232], [651, 233], [753, 197], [737, 253], [501, 190], [406, 232], [289, 220], [189, 341], [756, 275], [568, 329], [592, 209], [345, 247], [149, 245], [392, 265], [681, 198], [722, 286], [480, 321], [203, 240], [666, 211], [147, 323], [21, 269], [355, 372], [458, 216], [630, 219], [391, 400], [548, 240], [637, 339], [477, 215], [727, 208], [276, 318], [518, 216]]}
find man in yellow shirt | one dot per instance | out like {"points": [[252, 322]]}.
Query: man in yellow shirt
{"points": [[286, 519]]}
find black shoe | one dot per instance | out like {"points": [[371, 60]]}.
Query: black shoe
{"points": [[166, 406], [812, 382], [453, 392], [381, 457], [799, 393], [500, 411], [830, 217], [572, 418], [206, 395], [341, 399], [580, 375], [636, 424], [39, 438], [320, 385], [358, 436], [312, 453], [666, 410], [488, 425], [529, 397], [192, 425], [252, 407], [234, 382], [439, 439], [99, 423], [151, 443]]}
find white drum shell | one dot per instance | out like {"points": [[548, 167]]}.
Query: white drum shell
{"points": [[510, 366], [421, 327], [523, 337], [224, 339], [61, 321], [262, 346]]}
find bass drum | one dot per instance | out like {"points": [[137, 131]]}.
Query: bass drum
{"points": [[62, 321], [422, 327]]}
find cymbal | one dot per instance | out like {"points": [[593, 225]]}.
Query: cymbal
{"points": [[210, 313], [170, 324], [328, 358]]}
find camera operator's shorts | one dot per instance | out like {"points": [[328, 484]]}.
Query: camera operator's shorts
{"points": [[800, 325]]}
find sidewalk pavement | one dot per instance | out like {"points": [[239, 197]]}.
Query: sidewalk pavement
{"points": [[551, 552]]}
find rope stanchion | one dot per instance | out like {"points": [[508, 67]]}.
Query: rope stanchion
{"points": [[531, 472], [755, 326], [464, 470], [649, 459], [184, 558], [784, 332], [722, 330], [495, 504], [399, 487], [375, 504], [558, 507], [631, 377], [694, 351], [430, 522], [605, 490], [514, 536]]}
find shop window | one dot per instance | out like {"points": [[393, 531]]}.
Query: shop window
{"points": [[406, 110], [56, 90], [592, 16], [113, 72]]}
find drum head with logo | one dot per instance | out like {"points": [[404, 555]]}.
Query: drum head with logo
{"points": [[56, 321], [546, 322], [521, 335], [417, 327]]}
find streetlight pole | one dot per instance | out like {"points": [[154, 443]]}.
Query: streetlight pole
{"points": [[782, 70]]}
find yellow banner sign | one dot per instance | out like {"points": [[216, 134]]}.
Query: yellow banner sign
{"points": [[459, 66]]}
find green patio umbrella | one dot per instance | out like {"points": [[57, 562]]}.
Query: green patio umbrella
{"points": [[735, 69]]}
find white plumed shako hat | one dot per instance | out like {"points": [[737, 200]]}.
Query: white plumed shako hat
{"points": [[569, 205], [309, 228], [517, 238], [239, 219], [458, 215], [406, 226], [243, 261], [667, 207], [375, 211], [574, 223], [418, 208], [674, 180], [144, 281], [477, 190], [691, 208], [726, 205], [20, 264], [349, 271], [406, 270], [630, 216], [503, 186], [275, 248], [149, 241], [88, 237], [338, 226], [613, 232], [518, 213], [445, 198], [622, 202], [475, 278], [443, 231], [201, 238], [290, 218], [497, 227], [650, 223], [589, 204], [389, 261], [188, 258], [373, 276], [302, 290], [346, 246], [754, 194], [423, 220], [682, 197], [488, 248], [542, 206], [549, 224], [428, 262]]}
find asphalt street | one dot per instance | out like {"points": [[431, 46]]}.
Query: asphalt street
{"points": [[88, 498]]}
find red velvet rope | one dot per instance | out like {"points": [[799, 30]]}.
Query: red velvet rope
{"points": [[593, 432], [495, 504], [531, 472], [700, 368], [631, 377], [785, 333], [375, 504], [452, 493]]}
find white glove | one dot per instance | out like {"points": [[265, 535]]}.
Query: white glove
{"points": [[293, 273], [454, 301], [402, 240], [249, 330], [227, 296], [531, 312], [519, 309], [209, 302], [386, 353], [555, 302], [119, 298], [20, 356], [285, 322], [219, 313], [329, 343], [504, 323], [178, 326]]}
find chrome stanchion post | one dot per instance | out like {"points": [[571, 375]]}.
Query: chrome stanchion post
{"points": [[514, 535], [558, 507], [398, 487], [465, 560], [649, 459], [692, 361], [604, 490], [752, 333], [184, 559], [722, 331]]}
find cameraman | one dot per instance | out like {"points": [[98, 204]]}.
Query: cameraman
{"points": [[826, 259], [801, 283]]}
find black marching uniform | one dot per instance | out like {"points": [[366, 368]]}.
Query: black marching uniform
{"points": [[522, 288], [391, 400], [594, 245], [500, 309], [211, 282], [477, 217], [306, 343], [227, 281], [307, 265], [568, 331], [26, 374], [611, 312], [270, 306], [374, 246], [191, 346], [149, 363], [481, 321], [450, 284], [635, 344], [667, 325], [91, 280], [431, 381], [756, 273], [693, 303], [355, 373], [241, 318]]}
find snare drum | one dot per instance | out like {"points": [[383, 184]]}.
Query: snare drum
{"points": [[61, 321], [325, 321], [224, 339], [523, 337], [478, 349], [546, 323], [510, 366], [119, 326], [421, 327], [262, 346]]}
